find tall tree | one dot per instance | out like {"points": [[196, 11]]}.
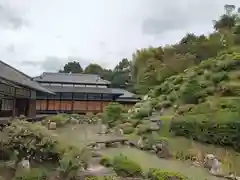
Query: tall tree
{"points": [[72, 67]]}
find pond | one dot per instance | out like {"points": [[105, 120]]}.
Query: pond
{"points": [[147, 160]]}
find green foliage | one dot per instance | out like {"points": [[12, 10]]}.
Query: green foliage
{"points": [[35, 141], [72, 67], [70, 163], [125, 167], [218, 77], [221, 127], [112, 113], [143, 128], [190, 92], [59, 119], [105, 161], [33, 174], [157, 174]]}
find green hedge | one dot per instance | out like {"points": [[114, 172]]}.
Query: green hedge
{"points": [[157, 174], [224, 130], [125, 167]]}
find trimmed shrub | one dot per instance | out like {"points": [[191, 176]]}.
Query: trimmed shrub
{"points": [[125, 167], [112, 113], [190, 92], [157, 174], [220, 128], [163, 104], [218, 77], [105, 161], [33, 174], [143, 128]]}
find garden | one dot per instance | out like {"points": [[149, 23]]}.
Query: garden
{"points": [[102, 146]]}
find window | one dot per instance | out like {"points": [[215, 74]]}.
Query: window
{"points": [[41, 95], [7, 104], [66, 95], [79, 96], [92, 96], [107, 97]]}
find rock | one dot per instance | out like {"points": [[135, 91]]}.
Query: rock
{"points": [[74, 121], [121, 131], [212, 164], [140, 142], [154, 147], [103, 129], [52, 126], [159, 146], [25, 164]]}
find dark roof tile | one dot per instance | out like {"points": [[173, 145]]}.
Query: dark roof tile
{"points": [[82, 89], [13, 75], [71, 78]]}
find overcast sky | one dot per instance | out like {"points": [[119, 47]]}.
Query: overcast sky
{"points": [[42, 35]]}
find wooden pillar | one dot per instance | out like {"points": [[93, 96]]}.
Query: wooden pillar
{"points": [[47, 103], [72, 103], [87, 102], [60, 110], [101, 102], [14, 104]]}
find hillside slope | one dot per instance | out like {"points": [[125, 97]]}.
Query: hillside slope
{"points": [[200, 99]]}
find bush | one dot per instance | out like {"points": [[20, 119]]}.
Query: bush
{"points": [[33, 174], [105, 161], [220, 76], [163, 104], [124, 167], [190, 93], [157, 174], [59, 119], [143, 128], [128, 130], [220, 128], [34, 141], [112, 113]]}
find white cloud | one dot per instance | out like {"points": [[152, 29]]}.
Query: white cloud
{"points": [[95, 31]]}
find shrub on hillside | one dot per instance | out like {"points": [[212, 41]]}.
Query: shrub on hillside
{"points": [[163, 104], [220, 128], [218, 77], [157, 174], [143, 128], [125, 167], [190, 93], [112, 113]]}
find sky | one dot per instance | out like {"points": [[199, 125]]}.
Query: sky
{"points": [[42, 35]]}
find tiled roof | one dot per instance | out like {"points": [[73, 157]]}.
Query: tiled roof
{"points": [[71, 78], [15, 76], [82, 89], [126, 95]]}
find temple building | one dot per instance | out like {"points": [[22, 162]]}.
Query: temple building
{"points": [[17, 93], [78, 93]]}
